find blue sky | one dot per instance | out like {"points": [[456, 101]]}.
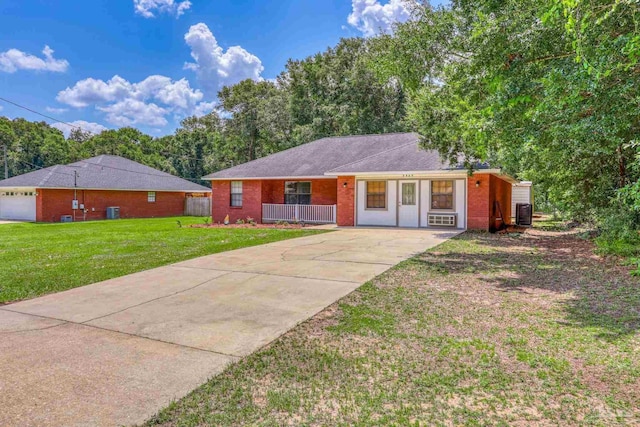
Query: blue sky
{"points": [[149, 63]]}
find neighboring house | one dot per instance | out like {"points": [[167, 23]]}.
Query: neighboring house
{"points": [[369, 180], [85, 189]]}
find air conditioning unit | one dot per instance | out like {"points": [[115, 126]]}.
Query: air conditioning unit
{"points": [[113, 212], [524, 214], [442, 220]]}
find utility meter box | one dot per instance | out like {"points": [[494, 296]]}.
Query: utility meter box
{"points": [[74, 204]]}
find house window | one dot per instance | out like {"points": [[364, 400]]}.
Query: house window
{"points": [[409, 193], [442, 195], [151, 197], [236, 194], [376, 194], [297, 193]]}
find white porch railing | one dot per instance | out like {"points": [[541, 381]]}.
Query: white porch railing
{"points": [[313, 214]]}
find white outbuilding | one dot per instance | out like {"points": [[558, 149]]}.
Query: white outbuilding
{"points": [[522, 192]]}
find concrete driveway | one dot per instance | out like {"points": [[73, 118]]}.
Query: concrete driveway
{"points": [[116, 352]]}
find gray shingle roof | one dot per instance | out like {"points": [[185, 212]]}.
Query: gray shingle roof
{"points": [[104, 172], [395, 152], [404, 158], [317, 157]]}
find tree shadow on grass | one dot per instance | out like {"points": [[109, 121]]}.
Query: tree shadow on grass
{"points": [[603, 295]]}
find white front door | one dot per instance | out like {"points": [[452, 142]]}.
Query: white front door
{"points": [[408, 204]]}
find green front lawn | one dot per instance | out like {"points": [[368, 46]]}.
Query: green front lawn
{"points": [[481, 330], [37, 259]]}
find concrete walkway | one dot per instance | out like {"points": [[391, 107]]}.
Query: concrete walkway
{"points": [[118, 351]]}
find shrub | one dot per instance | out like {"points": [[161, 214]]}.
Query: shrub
{"points": [[619, 233]]}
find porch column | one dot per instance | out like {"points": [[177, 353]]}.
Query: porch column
{"points": [[346, 201]]}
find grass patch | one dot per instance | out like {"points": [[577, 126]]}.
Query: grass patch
{"points": [[549, 223], [483, 330], [38, 259]]}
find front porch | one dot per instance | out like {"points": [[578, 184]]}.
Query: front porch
{"points": [[312, 214], [309, 200]]}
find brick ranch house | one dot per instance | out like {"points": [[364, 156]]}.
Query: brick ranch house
{"points": [[369, 180], [85, 189]]}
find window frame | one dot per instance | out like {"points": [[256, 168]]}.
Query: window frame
{"points": [[385, 193], [151, 197], [453, 196], [297, 194], [236, 193], [415, 185]]}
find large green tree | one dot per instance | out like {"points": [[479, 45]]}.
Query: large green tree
{"points": [[130, 143], [32, 145], [194, 148], [336, 93], [548, 89], [247, 128]]}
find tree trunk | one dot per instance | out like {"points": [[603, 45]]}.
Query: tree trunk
{"points": [[622, 169]]}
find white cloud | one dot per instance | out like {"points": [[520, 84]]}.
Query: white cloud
{"points": [[149, 102], [128, 104], [92, 127], [372, 17], [56, 110], [147, 8], [213, 66], [93, 91], [13, 60], [130, 112], [204, 108], [176, 94]]}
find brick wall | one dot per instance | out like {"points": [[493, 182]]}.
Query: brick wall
{"points": [[478, 202], [51, 204], [273, 191], [251, 201], [481, 208], [346, 200], [501, 193], [324, 192]]}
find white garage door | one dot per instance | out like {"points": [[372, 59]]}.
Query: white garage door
{"points": [[18, 206]]}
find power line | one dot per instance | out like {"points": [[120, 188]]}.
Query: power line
{"points": [[43, 167], [81, 128], [44, 115], [104, 166], [92, 133], [141, 173]]}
